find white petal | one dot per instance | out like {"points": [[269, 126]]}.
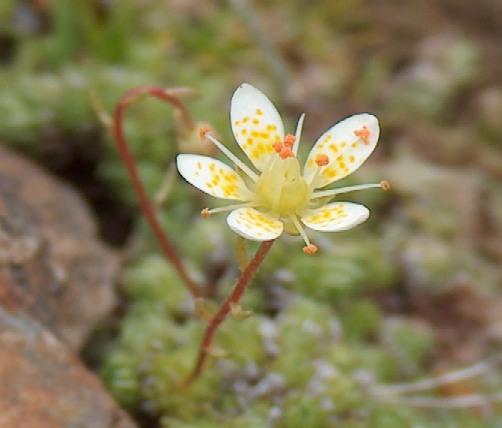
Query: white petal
{"points": [[345, 150], [254, 225], [256, 124], [336, 216], [212, 176]]}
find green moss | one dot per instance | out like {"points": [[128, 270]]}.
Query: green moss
{"points": [[360, 319], [411, 342], [300, 411]]}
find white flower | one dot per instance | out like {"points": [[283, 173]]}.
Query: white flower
{"points": [[277, 196]]}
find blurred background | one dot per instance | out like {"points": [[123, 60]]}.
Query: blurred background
{"points": [[412, 293]]}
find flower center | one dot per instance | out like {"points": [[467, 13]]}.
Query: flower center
{"points": [[281, 189]]}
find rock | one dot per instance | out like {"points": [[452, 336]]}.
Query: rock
{"points": [[52, 266], [44, 385]]}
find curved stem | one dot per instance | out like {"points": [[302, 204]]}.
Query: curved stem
{"points": [[225, 308], [128, 159]]}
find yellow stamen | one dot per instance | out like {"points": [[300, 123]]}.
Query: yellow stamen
{"points": [[205, 213], [385, 185]]}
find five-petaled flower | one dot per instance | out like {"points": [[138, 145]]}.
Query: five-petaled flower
{"points": [[279, 196]]}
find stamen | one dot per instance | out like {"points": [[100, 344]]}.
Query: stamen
{"points": [[286, 152], [289, 140], [278, 146], [322, 160], [298, 134], [309, 248], [363, 133], [334, 192], [283, 149], [233, 158], [205, 213], [203, 132], [385, 185]]}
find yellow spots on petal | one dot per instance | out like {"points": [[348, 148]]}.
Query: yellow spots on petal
{"points": [[259, 220], [344, 144], [256, 132], [333, 147], [354, 144], [257, 224], [352, 159], [329, 215], [331, 173]]}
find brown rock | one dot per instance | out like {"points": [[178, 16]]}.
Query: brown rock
{"points": [[44, 385], [52, 267]]}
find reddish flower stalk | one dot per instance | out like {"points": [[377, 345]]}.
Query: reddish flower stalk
{"points": [[128, 159], [226, 307]]}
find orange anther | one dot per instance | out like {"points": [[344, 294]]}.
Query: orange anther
{"points": [[384, 184], [203, 131], [278, 146], [310, 249], [286, 152], [322, 160], [205, 213], [363, 133], [289, 140]]}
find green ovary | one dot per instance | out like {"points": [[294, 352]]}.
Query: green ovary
{"points": [[281, 189]]}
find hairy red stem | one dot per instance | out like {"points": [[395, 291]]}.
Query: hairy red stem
{"points": [[225, 308], [128, 159]]}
